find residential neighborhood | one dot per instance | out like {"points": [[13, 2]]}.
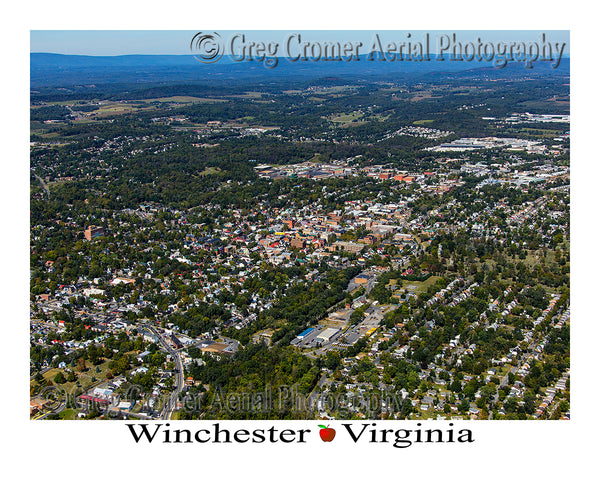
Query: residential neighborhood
{"points": [[365, 248]]}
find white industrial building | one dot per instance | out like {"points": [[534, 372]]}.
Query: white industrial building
{"points": [[326, 334]]}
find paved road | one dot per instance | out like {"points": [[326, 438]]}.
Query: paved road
{"points": [[44, 186], [315, 393], [312, 401], [179, 381]]}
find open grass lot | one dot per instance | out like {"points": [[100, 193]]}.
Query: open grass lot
{"points": [[380, 117], [254, 95], [82, 121], [185, 99], [105, 108], [57, 182], [68, 414], [416, 96], [421, 96], [535, 132], [115, 108], [347, 118], [419, 287], [559, 105], [245, 120], [209, 171], [44, 132], [66, 103]]}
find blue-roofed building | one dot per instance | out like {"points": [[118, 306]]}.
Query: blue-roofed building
{"points": [[305, 333]]}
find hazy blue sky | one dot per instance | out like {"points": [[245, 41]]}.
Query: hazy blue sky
{"points": [[177, 42]]}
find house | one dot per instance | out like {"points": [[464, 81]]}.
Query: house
{"points": [[102, 393], [143, 355]]}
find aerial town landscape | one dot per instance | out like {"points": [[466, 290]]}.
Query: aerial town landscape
{"points": [[338, 247]]}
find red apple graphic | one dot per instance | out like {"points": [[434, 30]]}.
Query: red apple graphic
{"points": [[327, 434]]}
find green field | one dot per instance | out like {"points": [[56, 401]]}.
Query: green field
{"points": [[559, 105], [347, 117], [535, 132], [185, 99], [209, 171], [419, 287], [249, 95]]}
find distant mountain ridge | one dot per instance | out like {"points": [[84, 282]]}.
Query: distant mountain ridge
{"points": [[51, 69], [61, 60]]}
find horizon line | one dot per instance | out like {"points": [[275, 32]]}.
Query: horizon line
{"points": [[564, 55]]}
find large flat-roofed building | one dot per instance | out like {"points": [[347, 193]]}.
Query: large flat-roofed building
{"points": [[326, 334], [362, 279], [93, 232]]}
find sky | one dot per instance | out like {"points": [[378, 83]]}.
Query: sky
{"points": [[177, 42]]}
